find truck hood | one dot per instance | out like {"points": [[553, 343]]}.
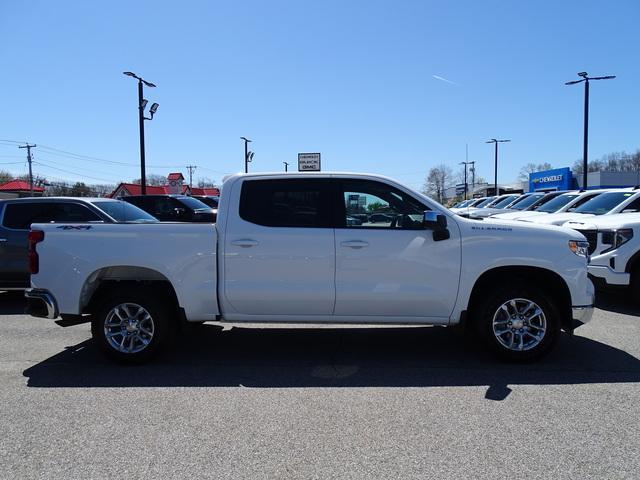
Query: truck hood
{"points": [[517, 215], [557, 218], [522, 229], [605, 222]]}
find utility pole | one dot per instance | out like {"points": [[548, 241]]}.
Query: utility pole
{"points": [[495, 177], [286, 166], [29, 147], [191, 169], [585, 146]]}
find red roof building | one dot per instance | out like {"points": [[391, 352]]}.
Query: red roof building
{"points": [[21, 188], [126, 189]]}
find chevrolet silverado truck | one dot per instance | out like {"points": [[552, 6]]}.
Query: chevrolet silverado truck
{"points": [[283, 250], [614, 246]]}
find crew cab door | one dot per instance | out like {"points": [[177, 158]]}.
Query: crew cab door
{"points": [[279, 253], [387, 264]]}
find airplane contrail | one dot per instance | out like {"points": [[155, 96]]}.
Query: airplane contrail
{"points": [[442, 79]]}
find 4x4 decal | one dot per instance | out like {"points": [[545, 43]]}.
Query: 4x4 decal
{"points": [[75, 227]]}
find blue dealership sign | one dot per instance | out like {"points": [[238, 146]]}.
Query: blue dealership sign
{"points": [[556, 179]]}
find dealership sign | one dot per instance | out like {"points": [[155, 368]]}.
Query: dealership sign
{"points": [[308, 162], [556, 179]]}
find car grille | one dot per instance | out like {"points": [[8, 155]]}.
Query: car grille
{"points": [[592, 238]]}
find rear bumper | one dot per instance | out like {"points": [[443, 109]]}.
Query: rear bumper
{"points": [[41, 303]]}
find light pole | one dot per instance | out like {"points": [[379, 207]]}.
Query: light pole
{"points": [[465, 177], [142, 103], [248, 156], [286, 166], [585, 147], [473, 176], [495, 173]]}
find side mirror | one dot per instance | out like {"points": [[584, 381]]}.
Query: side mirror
{"points": [[434, 220], [438, 223]]}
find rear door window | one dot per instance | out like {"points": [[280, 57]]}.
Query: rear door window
{"points": [[287, 203], [20, 216]]}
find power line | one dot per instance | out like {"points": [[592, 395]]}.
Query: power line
{"points": [[73, 173]]}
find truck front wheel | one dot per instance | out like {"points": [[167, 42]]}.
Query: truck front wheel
{"points": [[130, 325], [519, 323]]}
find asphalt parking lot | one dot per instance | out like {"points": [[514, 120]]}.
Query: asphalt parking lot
{"points": [[256, 402]]}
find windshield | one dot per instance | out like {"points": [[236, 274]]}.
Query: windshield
{"points": [[603, 203], [124, 212], [526, 202], [503, 202], [210, 201], [193, 203], [486, 202], [557, 203]]}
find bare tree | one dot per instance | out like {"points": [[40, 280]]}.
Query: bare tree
{"points": [[205, 182], [523, 176], [438, 180], [153, 179]]}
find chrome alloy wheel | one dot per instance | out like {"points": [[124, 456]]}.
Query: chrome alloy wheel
{"points": [[519, 324], [128, 328]]}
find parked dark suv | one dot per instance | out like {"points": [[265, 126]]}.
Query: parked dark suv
{"points": [[173, 208], [17, 215]]}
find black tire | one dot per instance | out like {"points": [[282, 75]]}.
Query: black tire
{"points": [[543, 342], [145, 346]]}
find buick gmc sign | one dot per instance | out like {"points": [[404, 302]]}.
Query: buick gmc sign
{"points": [[556, 179]]}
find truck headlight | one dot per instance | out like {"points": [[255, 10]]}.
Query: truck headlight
{"points": [[579, 247], [615, 238]]}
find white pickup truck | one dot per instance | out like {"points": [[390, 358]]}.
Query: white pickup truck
{"points": [[614, 246], [300, 248]]}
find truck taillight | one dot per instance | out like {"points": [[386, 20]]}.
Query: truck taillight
{"points": [[35, 237]]}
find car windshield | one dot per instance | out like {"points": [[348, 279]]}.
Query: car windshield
{"points": [[603, 203], [503, 202], [125, 212], [557, 203], [210, 201], [193, 203], [463, 204], [527, 202], [485, 203]]}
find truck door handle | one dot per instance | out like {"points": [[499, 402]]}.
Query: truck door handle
{"points": [[245, 243], [355, 244]]}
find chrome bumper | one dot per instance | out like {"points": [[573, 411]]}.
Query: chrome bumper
{"points": [[40, 303], [581, 314]]}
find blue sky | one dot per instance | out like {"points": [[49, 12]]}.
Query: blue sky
{"points": [[353, 80]]}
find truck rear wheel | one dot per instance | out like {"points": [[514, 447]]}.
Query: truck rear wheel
{"points": [[519, 323], [130, 325]]}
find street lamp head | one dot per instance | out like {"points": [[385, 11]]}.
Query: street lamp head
{"points": [[154, 108], [148, 84], [582, 74], [143, 104], [130, 74], [493, 140], [250, 156], [573, 82], [245, 139]]}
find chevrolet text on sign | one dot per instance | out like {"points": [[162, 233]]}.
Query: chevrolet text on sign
{"points": [[308, 162]]}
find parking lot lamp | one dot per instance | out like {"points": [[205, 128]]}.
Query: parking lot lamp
{"points": [[246, 154], [142, 103], [585, 146], [495, 172]]}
